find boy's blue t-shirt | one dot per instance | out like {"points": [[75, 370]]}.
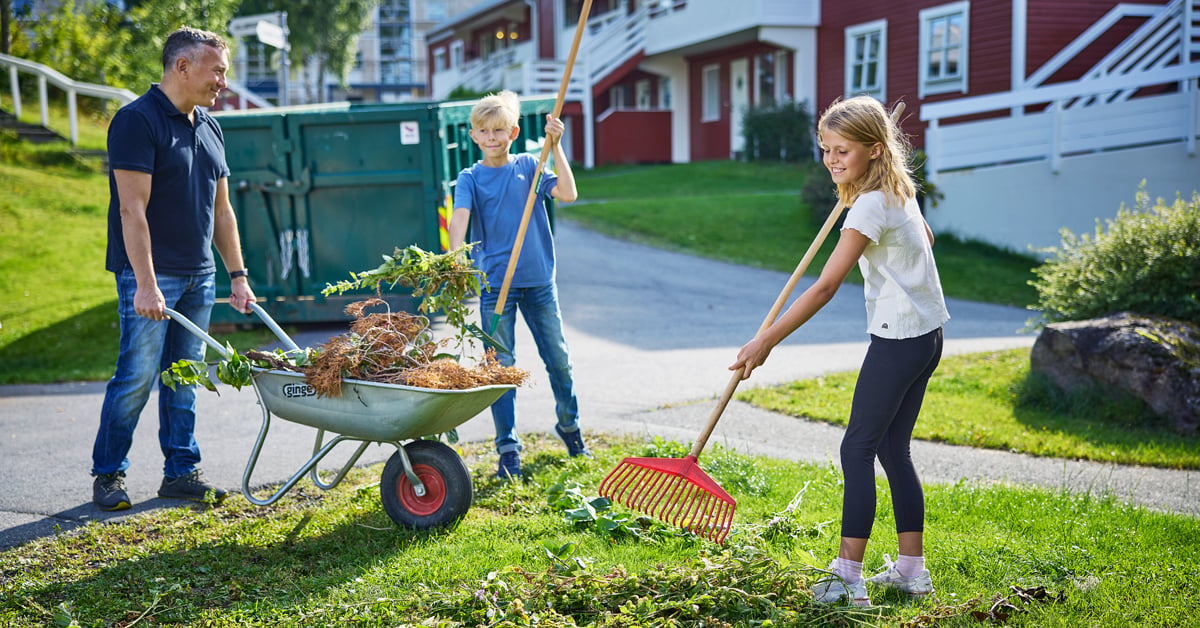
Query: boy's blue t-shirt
{"points": [[496, 198]]}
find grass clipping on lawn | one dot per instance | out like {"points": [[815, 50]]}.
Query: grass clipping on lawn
{"points": [[398, 348]]}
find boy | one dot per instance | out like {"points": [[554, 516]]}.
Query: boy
{"points": [[496, 189]]}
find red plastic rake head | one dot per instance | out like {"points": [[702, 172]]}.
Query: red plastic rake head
{"points": [[675, 491]]}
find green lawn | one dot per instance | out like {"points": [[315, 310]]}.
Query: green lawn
{"points": [[530, 554], [992, 401], [751, 213], [58, 306]]}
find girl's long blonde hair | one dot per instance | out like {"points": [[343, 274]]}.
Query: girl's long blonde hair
{"points": [[863, 119]]}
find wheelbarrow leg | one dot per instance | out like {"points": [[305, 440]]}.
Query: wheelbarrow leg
{"points": [[315, 475], [318, 455]]}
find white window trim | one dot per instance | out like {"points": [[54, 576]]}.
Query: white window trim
{"points": [[707, 113], [616, 98], [641, 95], [944, 86], [781, 83], [456, 54], [852, 34]]}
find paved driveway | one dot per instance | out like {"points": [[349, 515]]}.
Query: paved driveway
{"points": [[651, 335]]}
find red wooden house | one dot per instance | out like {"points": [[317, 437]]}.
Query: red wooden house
{"points": [[1034, 114]]}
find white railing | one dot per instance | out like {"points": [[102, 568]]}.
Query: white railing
{"points": [[622, 37], [71, 87], [247, 97], [1164, 118]]}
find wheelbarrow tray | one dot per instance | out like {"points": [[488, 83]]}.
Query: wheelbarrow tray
{"points": [[373, 411]]}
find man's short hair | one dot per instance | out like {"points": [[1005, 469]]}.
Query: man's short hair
{"points": [[184, 41]]}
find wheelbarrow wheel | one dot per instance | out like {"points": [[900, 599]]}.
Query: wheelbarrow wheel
{"points": [[447, 481]]}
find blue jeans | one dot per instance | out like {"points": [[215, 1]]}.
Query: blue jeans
{"points": [[147, 348], [539, 307]]}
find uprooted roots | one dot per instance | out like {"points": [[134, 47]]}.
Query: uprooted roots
{"points": [[397, 348]]}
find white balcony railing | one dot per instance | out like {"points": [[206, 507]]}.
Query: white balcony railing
{"points": [[1146, 91], [1058, 131]]}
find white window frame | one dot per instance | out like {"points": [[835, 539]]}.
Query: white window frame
{"points": [[456, 54], [641, 95], [664, 92], [710, 90], [781, 76], [862, 32], [929, 85], [616, 98], [439, 60]]}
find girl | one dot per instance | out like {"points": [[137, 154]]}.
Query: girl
{"points": [[884, 232]]}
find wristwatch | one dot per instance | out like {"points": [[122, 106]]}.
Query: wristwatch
{"points": [[234, 274]]}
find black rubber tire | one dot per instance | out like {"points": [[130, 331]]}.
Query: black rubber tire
{"points": [[447, 484]]}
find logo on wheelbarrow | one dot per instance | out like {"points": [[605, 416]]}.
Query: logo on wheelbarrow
{"points": [[299, 390]]}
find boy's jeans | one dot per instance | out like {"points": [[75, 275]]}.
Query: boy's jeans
{"points": [[148, 348], [539, 306]]}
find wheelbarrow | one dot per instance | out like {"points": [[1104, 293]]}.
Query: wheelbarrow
{"points": [[425, 484]]}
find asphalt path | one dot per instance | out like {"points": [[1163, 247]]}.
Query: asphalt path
{"points": [[651, 334]]}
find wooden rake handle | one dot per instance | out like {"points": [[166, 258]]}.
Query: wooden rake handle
{"points": [[727, 394], [537, 174]]}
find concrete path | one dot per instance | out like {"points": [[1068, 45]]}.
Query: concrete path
{"points": [[651, 334]]}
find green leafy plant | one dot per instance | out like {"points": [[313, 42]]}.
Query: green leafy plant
{"points": [[443, 282], [1147, 261]]}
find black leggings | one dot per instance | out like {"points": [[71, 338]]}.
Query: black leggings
{"points": [[887, 399]]}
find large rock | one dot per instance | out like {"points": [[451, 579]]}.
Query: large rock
{"points": [[1154, 359]]}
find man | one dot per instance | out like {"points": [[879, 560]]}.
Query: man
{"points": [[169, 205]]}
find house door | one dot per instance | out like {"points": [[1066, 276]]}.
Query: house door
{"points": [[739, 101]]}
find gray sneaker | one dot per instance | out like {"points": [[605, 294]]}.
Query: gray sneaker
{"points": [[832, 589], [919, 585], [108, 491], [192, 486]]}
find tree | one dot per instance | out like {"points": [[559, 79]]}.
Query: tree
{"points": [[326, 30], [149, 23], [94, 42], [5, 17], [82, 42]]}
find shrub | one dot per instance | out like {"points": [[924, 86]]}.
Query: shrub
{"points": [[782, 132], [1148, 262]]}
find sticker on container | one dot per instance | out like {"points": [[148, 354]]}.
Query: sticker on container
{"points": [[410, 133]]}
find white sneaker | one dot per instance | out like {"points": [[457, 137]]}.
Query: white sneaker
{"points": [[833, 589], [918, 586]]}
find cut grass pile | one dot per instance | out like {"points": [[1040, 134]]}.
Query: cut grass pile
{"points": [[534, 554]]}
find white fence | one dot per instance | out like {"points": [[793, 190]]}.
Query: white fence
{"points": [[1058, 130], [48, 76], [74, 89]]}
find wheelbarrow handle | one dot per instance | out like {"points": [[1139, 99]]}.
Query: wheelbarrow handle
{"points": [[210, 341], [199, 333], [274, 327]]}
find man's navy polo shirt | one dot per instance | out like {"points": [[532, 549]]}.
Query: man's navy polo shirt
{"points": [[185, 163]]}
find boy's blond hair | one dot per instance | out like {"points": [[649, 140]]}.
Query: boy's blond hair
{"points": [[503, 108], [863, 119]]}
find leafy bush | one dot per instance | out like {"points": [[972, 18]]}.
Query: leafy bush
{"points": [[1148, 262], [781, 132]]}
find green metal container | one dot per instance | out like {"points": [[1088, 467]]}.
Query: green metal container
{"points": [[325, 190]]}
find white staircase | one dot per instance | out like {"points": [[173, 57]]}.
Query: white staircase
{"points": [[1144, 92]]}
